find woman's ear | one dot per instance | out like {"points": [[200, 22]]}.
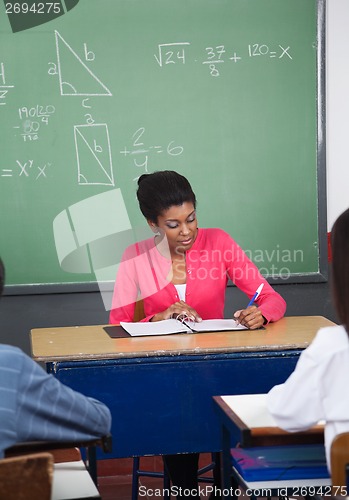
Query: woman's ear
{"points": [[153, 226]]}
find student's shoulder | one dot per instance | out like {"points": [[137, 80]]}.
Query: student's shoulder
{"points": [[329, 340], [11, 355], [10, 351]]}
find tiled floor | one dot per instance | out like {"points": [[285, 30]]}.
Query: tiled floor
{"points": [[115, 488], [115, 478], [120, 488]]}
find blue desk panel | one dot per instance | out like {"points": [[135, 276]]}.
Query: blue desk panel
{"points": [[163, 404]]}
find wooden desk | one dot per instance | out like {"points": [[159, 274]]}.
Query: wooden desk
{"points": [[55, 447], [251, 424], [245, 419], [71, 481], [159, 389]]}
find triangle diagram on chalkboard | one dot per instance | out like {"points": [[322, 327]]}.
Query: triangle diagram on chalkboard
{"points": [[93, 155], [75, 77]]}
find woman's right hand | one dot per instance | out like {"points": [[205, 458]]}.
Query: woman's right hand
{"points": [[178, 308]]}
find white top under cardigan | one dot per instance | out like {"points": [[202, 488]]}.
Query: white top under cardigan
{"points": [[181, 289], [317, 389]]}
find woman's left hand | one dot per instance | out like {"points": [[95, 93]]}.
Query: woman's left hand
{"points": [[251, 317]]}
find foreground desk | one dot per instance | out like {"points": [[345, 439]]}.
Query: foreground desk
{"points": [[245, 419], [71, 481], [159, 389], [59, 448]]}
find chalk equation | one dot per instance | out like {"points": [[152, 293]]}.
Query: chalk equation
{"points": [[4, 88], [170, 53], [177, 53], [26, 169], [31, 120], [140, 153]]}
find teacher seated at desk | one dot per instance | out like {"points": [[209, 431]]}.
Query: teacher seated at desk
{"points": [[185, 269]]}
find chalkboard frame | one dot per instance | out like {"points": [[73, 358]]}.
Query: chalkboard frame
{"points": [[318, 277]]}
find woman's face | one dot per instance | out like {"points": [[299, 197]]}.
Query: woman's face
{"points": [[179, 225]]}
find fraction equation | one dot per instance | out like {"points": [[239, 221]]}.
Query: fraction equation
{"points": [[140, 153], [32, 119], [4, 88], [213, 57]]}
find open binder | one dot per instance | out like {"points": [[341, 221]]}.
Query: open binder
{"points": [[181, 324]]}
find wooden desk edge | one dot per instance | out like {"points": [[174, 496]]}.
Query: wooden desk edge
{"points": [[266, 436], [168, 352]]}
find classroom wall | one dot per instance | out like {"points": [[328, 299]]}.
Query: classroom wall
{"points": [[337, 48], [18, 314]]}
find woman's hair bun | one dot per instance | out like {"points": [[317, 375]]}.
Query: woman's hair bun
{"points": [[141, 178]]}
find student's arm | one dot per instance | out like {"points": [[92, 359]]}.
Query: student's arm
{"points": [[297, 404], [49, 410]]}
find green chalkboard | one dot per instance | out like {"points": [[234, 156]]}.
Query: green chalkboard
{"points": [[94, 93]]}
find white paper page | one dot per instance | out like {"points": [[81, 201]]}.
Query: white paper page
{"points": [[208, 325], [251, 409], [165, 327]]}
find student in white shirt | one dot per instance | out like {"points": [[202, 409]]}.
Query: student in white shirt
{"points": [[318, 388]]}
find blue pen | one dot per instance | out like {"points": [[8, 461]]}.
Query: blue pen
{"points": [[258, 291]]}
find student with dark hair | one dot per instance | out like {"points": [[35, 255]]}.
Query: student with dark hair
{"points": [[35, 406], [317, 388], [185, 269]]}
